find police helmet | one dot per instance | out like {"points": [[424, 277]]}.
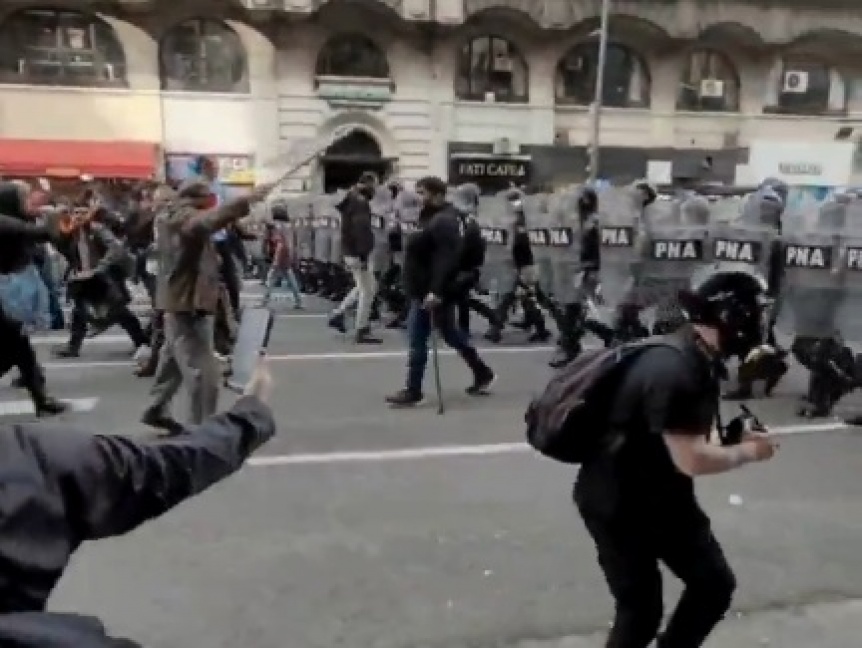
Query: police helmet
{"points": [[733, 302], [649, 192], [778, 186], [764, 206], [279, 212], [588, 200], [465, 198], [408, 201]]}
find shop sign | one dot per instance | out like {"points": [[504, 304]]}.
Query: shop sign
{"points": [[823, 164], [354, 92], [495, 170], [231, 169]]}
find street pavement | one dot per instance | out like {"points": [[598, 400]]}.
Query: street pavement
{"points": [[363, 526]]}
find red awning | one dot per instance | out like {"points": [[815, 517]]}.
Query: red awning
{"points": [[71, 159]]}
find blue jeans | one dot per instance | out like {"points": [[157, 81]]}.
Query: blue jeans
{"points": [[58, 320], [283, 277], [419, 323]]}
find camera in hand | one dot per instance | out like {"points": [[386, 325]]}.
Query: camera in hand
{"points": [[738, 426]]}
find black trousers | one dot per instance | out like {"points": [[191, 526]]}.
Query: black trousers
{"points": [[230, 275], [17, 351], [630, 550], [121, 315]]}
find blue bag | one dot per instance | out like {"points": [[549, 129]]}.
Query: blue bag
{"points": [[25, 298]]}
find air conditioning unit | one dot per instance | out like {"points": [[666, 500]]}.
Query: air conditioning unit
{"points": [[504, 146], [502, 63], [795, 82], [711, 89]]}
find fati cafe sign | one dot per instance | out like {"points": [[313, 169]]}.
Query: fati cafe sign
{"points": [[476, 169]]}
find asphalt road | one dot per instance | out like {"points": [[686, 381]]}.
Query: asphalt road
{"points": [[365, 526]]}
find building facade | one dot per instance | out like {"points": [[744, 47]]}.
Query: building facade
{"points": [[496, 91]]}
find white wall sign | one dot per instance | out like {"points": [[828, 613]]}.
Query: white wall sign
{"points": [[821, 164]]}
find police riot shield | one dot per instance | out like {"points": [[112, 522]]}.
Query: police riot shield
{"points": [[408, 207], [562, 239], [813, 293], [299, 212], [382, 211], [849, 266], [619, 219], [746, 244], [495, 218], [540, 224], [336, 255], [672, 250], [322, 226]]}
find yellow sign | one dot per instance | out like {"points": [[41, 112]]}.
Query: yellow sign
{"points": [[235, 169]]}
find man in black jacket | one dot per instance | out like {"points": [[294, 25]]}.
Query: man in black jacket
{"points": [[357, 244], [61, 488], [432, 259], [18, 239]]}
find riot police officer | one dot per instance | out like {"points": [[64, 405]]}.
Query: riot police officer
{"points": [[575, 319]]}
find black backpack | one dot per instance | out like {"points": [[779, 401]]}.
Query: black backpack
{"points": [[474, 245], [570, 421]]}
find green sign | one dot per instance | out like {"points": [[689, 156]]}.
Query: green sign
{"points": [[354, 93]]}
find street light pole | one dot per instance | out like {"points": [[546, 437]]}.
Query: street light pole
{"points": [[596, 123]]}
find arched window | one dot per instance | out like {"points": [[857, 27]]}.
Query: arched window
{"points": [[203, 55], [59, 47], [352, 55], [626, 78], [809, 87], [709, 83], [492, 68]]}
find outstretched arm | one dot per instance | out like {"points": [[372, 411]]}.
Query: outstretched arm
{"points": [[110, 485]]}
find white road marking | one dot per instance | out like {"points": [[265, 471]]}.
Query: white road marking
{"points": [[432, 452], [25, 407], [317, 357]]}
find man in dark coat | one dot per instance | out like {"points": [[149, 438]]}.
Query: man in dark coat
{"points": [[433, 256]]}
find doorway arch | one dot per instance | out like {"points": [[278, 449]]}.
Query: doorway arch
{"points": [[351, 156]]}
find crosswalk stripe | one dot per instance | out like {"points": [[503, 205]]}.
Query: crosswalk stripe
{"points": [[25, 407]]}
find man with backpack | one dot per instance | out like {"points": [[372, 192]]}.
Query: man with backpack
{"points": [[638, 419], [433, 258]]}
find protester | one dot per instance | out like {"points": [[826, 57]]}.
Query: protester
{"points": [[62, 487]]}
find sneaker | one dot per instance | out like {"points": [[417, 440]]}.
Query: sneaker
{"points": [[48, 406], [66, 352], [482, 382], [494, 334], [336, 321], [539, 336], [405, 398], [162, 421], [363, 336]]}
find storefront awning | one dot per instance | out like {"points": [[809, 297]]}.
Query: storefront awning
{"points": [[72, 159]]}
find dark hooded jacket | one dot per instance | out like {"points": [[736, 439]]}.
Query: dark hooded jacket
{"points": [[18, 236]]}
